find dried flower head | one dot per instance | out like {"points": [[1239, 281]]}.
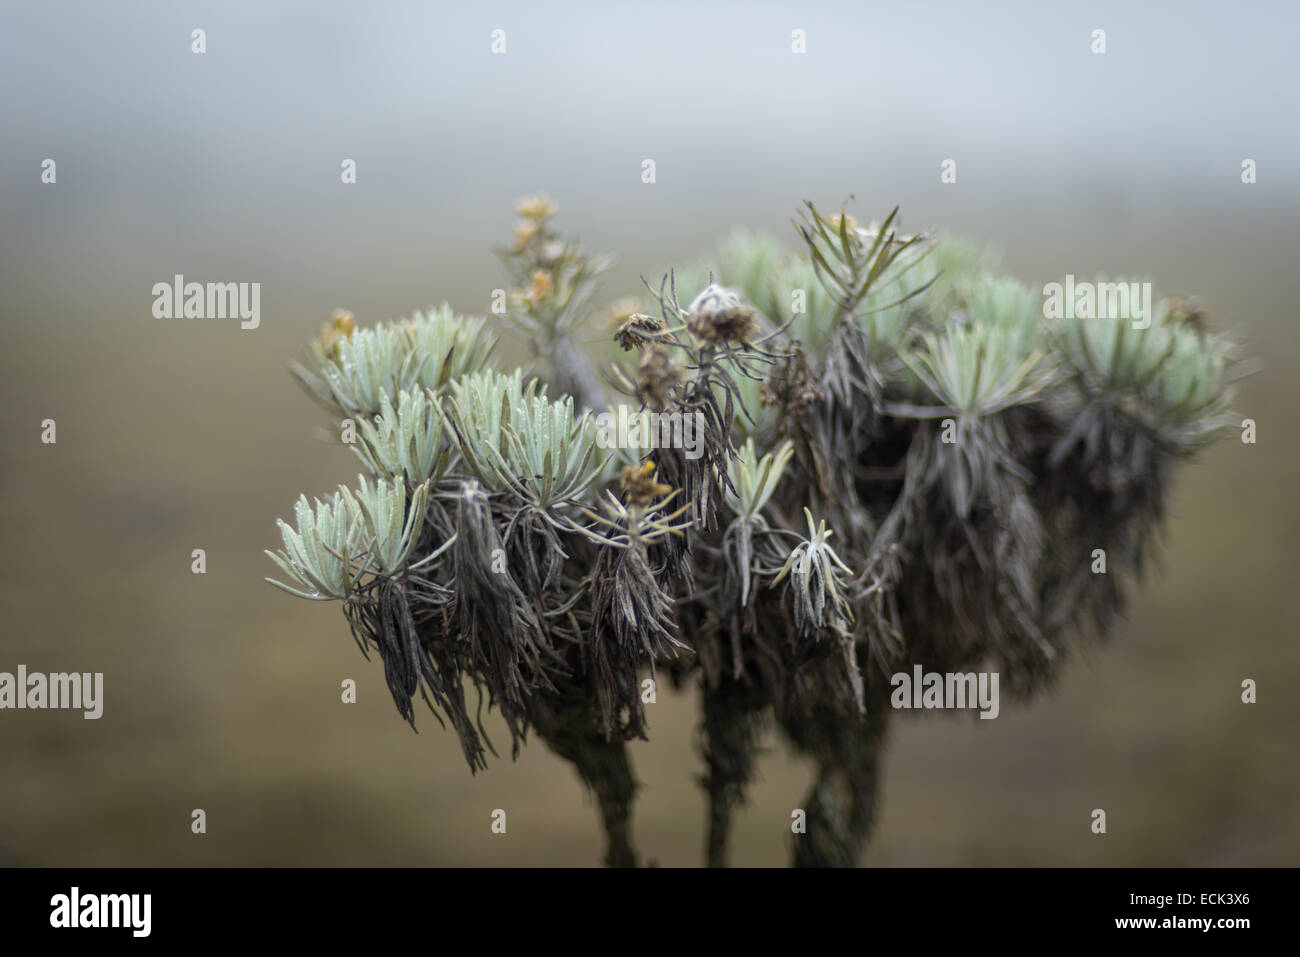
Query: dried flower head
{"points": [[341, 326], [343, 322], [802, 390], [640, 485], [659, 376], [1190, 314], [541, 286], [637, 329], [537, 208], [719, 315], [525, 232]]}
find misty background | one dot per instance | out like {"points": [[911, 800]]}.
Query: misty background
{"points": [[222, 693]]}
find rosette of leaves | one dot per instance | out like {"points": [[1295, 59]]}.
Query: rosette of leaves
{"points": [[973, 372], [406, 439], [816, 585], [357, 548], [818, 595], [322, 554], [1138, 398], [831, 391], [865, 271], [969, 513], [391, 528], [749, 551], [350, 370], [532, 452], [520, 443], [354, 534], [632, 612], [754, 481], [1174, 375]]}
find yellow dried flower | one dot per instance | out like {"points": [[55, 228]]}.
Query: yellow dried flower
{"points": [[541, 287], [341, 326], [525, 233], [537, 208], [640, 484]]}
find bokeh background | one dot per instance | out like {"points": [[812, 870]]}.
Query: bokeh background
{"points": [[222, 693]]}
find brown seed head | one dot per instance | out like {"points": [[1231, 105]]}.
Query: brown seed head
{"points": [[659, 375], [637, 329], [640, 485], [1189, 313], [719, 314]]}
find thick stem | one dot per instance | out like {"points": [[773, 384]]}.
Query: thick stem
{"points": [[729, 736], [841, 806], [603, 766], [572, 372]]}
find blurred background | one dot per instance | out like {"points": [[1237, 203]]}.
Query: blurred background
{"points": [[222, 693]]}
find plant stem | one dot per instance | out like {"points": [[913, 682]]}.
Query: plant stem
{"points": [[729, 736], [603, 766], [842, 804]]}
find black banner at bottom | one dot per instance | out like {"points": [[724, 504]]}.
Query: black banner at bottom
{"points": [[979, 906]]}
